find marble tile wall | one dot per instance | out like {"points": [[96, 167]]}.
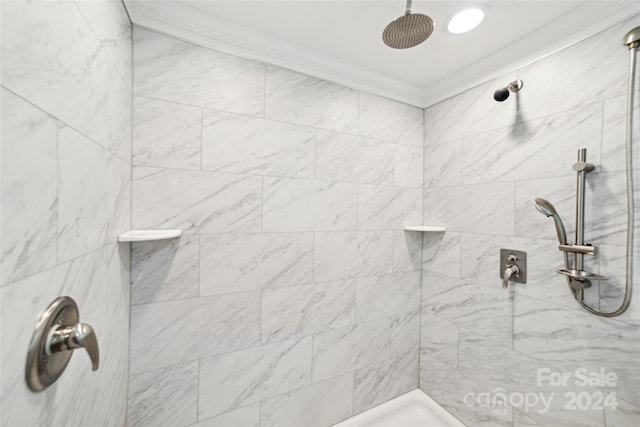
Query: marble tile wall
{"points": [[484, 163], [293, 296], [66, 193]]}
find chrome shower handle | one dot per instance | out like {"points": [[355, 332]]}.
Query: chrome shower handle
{"points": [[67, 338], [510, 271]]}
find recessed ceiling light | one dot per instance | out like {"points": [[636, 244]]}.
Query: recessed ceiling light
{"points": [[465, 20]]}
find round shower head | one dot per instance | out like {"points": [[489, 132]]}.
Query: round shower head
{"points": [[501, 94], [409, 30], [545, 207]]}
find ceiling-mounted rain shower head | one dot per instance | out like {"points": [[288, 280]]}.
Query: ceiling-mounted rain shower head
{"points": [[503, 93], [409, 30]]}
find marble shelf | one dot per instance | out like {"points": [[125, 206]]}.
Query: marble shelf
{"points": [[148, 235]]}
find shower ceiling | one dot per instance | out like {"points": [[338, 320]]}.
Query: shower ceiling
{"points": [[341, 41]]}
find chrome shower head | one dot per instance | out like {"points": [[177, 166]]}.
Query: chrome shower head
{"points": [[547, 209], [503, 93], [409, 30]]}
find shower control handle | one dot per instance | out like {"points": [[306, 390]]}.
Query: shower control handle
{"points": [[513, 266], [67, 338], [510, 271]]}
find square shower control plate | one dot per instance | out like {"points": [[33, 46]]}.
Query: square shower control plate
{"points": [[520, 261]]}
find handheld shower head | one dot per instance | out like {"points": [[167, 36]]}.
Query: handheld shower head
{"points": [[547, 209]]}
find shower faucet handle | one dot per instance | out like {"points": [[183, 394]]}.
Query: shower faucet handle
{"points": [[510, 271], [513, 266]]}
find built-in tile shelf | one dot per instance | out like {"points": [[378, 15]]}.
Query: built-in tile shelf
{"points": [[425, 228], [148, 235]]}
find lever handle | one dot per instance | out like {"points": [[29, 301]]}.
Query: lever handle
{"points": [[511, 270], [73, 337]]}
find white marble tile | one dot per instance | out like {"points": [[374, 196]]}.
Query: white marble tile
{"points": [[443, 164], [380, 382], [470, 113], [407, 250], [92, 210], [29, 189], [531, 149], [318, 405], [405, 333], [51, 57], [119, 116], [298, 98], [306, 205], [343, 350], [243, 144], [343, 255], [247, 416], [624, 415], [237, 379], [522, 420], [390, 294], [441, 253], [165, 270], [174, 70], [166, 333], [164, 398], [166, 134], [614, 128], [390, 120], [303, 310], [439, 338], [383, 207], [588, 72], [408, 166], [612, 262], [194, 201], [483, 208], [242, 262], [344, 157]]}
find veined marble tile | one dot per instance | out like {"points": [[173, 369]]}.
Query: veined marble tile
{"points": [[166, 134], [237, 379], [242, 262], [343, 350], [449, 389], [29, 189], [165, 270], [587, 72], [317, 405], [242, 144], [522, 420], [439, 338], [482, 208], [407, 250], [390, 120], [382, 207], [441, 253], [297, 98], [303, 310], [405, 333], [390, 294], [408, 166], [344, 157], [92, 210], [348, 254], [443, 164], [164, 398], [612, 263], [305, 205], [174, 70], [51, 57], [194, 201], [119, 114], [380, 382], [624, 415], [247, 416], [166, 333], [614, 128], [470, 113], [483, 310], [531, 149]]}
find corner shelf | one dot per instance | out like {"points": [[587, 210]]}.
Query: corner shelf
{"points": [[425, 228], [148, 235]]}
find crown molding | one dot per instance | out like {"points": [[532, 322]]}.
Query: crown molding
{"points": [[186, 22]]}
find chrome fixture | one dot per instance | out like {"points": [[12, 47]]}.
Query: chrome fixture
{"points": [[503, 93], [513, 266], [57, 334], [409, 30]]}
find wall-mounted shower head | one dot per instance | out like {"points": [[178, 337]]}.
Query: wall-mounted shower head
{"points": [[547, 209], [503, 93]]}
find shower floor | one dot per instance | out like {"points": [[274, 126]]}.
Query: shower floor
{"points": [[414, 409]]}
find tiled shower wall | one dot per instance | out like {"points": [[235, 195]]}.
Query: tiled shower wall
{"points": [[484, 164], [66, 177], [293, 296]]}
